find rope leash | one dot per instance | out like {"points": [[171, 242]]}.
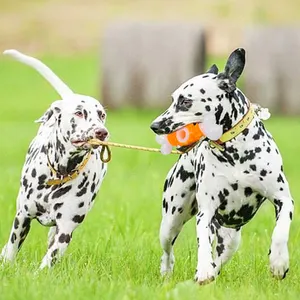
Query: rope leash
{"points": [[106, 146]]}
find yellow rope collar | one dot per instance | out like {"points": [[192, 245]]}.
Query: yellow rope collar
{"points": [[68, 177], [235, 130]]}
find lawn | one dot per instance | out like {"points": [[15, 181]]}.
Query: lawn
{"points": [[115, 254]]}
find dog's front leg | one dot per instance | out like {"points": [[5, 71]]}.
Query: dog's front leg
{"points": [[206, 271], [179, 205], [279, 255]]}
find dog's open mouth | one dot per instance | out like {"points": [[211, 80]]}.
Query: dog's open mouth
{"points": [[84, 144], [78, 143]]}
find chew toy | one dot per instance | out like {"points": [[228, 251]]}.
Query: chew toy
{"points": [[185, 136], [190, 134]]}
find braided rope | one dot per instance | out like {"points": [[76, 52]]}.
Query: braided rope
{"points": [[106, 145]]}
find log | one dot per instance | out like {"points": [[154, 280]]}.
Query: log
{"points": [[143, 63]]}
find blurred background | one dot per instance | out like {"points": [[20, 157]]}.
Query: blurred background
{"points": [[142, 50], [131, 55]]}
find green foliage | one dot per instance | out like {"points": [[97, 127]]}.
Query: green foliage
{"points": [[115, 253]]}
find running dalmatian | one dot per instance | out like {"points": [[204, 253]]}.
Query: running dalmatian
{"points": [[222, 182], [62, 172]]}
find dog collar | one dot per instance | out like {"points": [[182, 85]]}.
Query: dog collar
{"points": [[235, 130], [68, 177]]}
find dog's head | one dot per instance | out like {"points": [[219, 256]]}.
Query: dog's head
{"points": [[205, 99], [77, 120]]}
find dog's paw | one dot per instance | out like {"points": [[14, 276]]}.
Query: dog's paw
{"points": [[5, 258], [279, 263], [167, 264], [205, 276]]}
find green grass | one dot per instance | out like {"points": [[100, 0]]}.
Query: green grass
{"points": [[115, 254]]}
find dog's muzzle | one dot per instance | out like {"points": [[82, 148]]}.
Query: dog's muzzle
{"points": [[160, 128]]}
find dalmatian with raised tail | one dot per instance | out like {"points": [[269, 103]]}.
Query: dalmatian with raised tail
{"points": [[223, 180], [62, 172]]}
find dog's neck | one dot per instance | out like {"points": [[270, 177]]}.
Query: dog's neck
{"points": [[228, 115], [62, 155]]}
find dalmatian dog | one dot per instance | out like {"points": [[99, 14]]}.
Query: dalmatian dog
{"points": [[62, 173], [222, 186]]}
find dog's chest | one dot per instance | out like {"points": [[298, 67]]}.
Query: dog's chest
{"points": [[74, 197]]}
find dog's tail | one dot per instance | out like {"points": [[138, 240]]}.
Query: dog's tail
{"points": [[61, 88]]}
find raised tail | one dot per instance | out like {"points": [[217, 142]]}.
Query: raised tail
{"points": [[61, 88]]}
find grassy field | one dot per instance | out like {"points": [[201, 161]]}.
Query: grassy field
{"points": [[115, 254]]}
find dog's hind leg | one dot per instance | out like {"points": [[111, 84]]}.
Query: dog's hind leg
{"points": [[19, 231], [179, 205], [58, 243], [227, 243], [51, 235]]}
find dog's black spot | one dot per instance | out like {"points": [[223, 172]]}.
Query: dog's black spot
{"points": [[174, 240], [58, 215], [257, 149], [57, 205], [33, 172], [280, 178], [184, 175], [85, 178], [13, 237], [234, 186], [61, 191], [41, 179], [165, 205], [220, 249], [81, 192], [93, 197], [207, 107], [29, 193], [193, 187], [93, 186], [263, 173], [78, 218], [40, 208], [81, 204], [16, 223], [249, 155], [248, 191], [245, 131], [253, 167], [173, 210], [202, 91], [64, 238]]}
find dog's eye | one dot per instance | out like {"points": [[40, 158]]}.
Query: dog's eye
{"points": [[185, 102], [79, 114], [101, 115]]}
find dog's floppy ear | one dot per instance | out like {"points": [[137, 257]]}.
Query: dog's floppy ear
{"points": [[213, 70], [233, 70], [53, 110]]}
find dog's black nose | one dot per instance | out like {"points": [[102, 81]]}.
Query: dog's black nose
{"points": [[101, 134], [155, 127]]}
